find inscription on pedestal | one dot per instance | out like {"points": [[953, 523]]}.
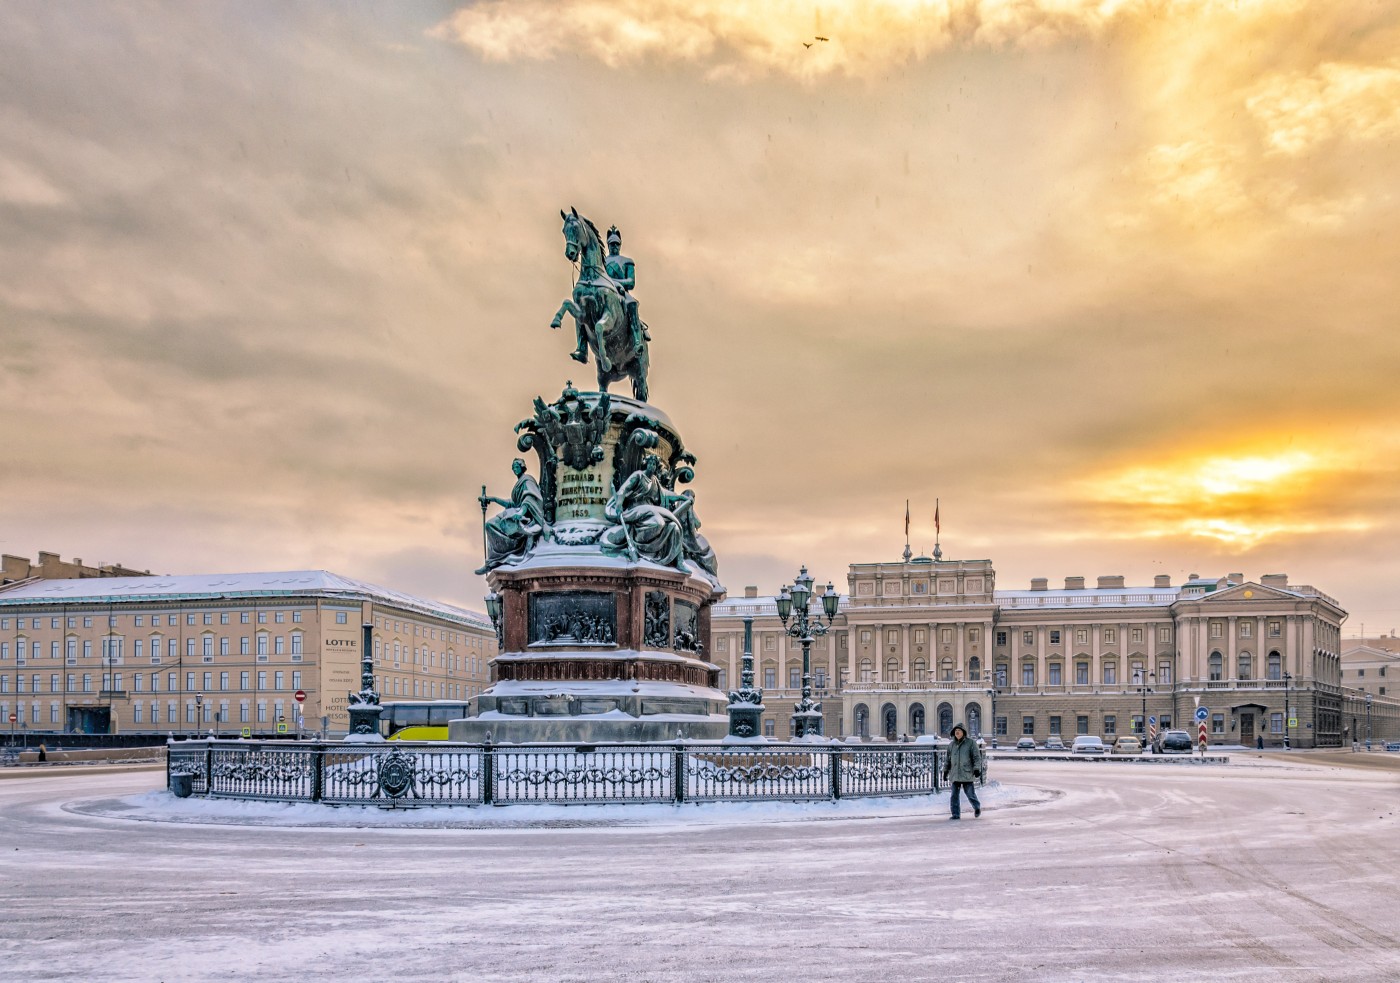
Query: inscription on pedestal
{"points": [[582, 494]]}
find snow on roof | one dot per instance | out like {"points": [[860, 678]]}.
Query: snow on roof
{"points": [[214, 586]]}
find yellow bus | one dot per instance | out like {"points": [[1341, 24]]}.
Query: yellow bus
{"points": [[421, 720]]}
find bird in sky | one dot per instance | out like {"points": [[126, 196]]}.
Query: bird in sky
{"points": [[806, 44], [820, 38]]}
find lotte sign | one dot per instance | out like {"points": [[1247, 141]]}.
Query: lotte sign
{"points": [[299, 696]]}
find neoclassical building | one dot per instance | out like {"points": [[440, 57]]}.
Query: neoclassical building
{"points": [[921, 644], [223, 653]]}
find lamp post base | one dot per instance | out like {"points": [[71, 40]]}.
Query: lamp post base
{"points": [[807, 720]]}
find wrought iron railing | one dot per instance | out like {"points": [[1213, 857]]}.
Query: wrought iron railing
{"points": [[403, 774]]}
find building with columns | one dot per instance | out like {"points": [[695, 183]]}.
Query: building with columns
{"points": [[921, 644]]}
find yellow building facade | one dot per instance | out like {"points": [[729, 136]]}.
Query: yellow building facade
{"points": [[223, 653]]}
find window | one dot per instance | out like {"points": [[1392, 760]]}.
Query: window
{"points": [[278, 678], [262, 679], [1055, 675], [818, 678], [1110, 636], [296, 617], [208, 680], [1027, 726], [1217, 723], [1217, 667], [1217, 630], [770, 644], [794, 677], [296, 679], [1110, 674], [1081, 675], [974, 635], [769, 730], [1136, 725], [1246, 667], [1054, 637], [223, 617], [770, 678], [279, 645], [1164, 673], [243, 617], [1137, 634], [262, 644], [87, 682], [1081, 724], [1055, 726], [1246, 629], [1164, 634], [1276, 723], [865, 636], [243, 680], [341, 618], [919, 636], [296, 643], [1027, 638], [999, 727], [1001, 638], [1028, 674], [223, 645], [87, 622], [280, 617], [208, 645], [1110, 725], [1081, 636], [1275, 629]]}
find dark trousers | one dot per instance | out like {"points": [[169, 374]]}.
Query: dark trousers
{"points": [[971, 789]]}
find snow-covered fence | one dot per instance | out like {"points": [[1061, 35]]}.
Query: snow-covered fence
{"points": [[433, 773]]}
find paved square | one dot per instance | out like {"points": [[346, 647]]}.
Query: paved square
{"points": [[1271, 868]]}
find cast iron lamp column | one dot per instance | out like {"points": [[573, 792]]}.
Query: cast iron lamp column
{"points": [[1368, 722], [992, 695], [1144, 689], [1287, 715], [794, 602]]}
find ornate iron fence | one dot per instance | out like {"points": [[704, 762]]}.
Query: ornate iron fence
{"points": [[404, 774]]}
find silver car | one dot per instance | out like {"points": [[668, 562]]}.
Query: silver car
{"points": [[1088, 744]]}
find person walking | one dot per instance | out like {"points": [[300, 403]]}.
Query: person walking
{"points": [[963, 767]]}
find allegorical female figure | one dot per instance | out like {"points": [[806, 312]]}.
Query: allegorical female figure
{"points": [[513, 532], [645, 529]]}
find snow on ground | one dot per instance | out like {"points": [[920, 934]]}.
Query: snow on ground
{"points": [[1281, 872]]}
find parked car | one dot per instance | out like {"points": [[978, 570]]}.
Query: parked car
{"points": [[1088, 744], [1172, 742], [1053, 743], [1026, 744], [1127, 744], [1392, 745]]}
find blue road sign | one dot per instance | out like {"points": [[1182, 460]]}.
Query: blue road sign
{"points": [[1152, 720], [1202, 715]]}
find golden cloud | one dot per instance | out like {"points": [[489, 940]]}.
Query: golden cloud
{"points": [[1300, 110]]}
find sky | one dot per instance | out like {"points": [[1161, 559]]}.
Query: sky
{"points": [[1113, 283]]}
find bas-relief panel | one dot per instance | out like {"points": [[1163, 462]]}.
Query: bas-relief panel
{"points": [[582, 617], [865, 588]]}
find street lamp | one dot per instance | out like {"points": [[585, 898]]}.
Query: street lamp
{"points": [[794, 602], [992, 695], [494, 609], [1368, 721], [1141, 679], [1287, 713]]}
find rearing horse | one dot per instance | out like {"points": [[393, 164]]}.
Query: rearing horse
{"points": [[600, 316]]}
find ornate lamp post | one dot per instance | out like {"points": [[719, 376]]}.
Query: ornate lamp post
{"points": [[992, 695], [746, 703], [494, 609], [364, 708], [1368, 721], [1144, 689], [1287, 715], [794, 602]]}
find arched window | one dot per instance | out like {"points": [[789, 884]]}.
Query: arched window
{"points": [[974, 669], [1246, 667], [892, 670], [1275, 665], [916, 720], [974, 719], [920, 670], [945, 718], [862, 715], [1217, 666], [945, 670], [867, 670], [889, 717]]}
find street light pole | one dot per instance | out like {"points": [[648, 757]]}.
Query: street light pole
{"points": [[1287, 712], [992, 695], [794, 602], [1368, 721], [1144, 689]]}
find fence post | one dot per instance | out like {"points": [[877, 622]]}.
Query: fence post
{"points": [[488, 772], [208, 768], [318, 771], [680, 773], [835, 773], [937, 769]]}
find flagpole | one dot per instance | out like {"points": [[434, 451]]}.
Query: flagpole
{"points": [[937, 529], [907, 552]]}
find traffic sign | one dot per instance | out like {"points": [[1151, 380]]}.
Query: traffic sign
{"points": [[1293, 722], [1202, 714], [1201, 735], [14, 717], [281, 728], [1152, 720], [247, 732], [299, 696]]}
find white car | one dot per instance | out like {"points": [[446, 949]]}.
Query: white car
{"points": [[1088, 744]]}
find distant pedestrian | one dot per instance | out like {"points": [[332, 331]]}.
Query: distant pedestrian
{"points": [[963, 767], [1259, 742]]}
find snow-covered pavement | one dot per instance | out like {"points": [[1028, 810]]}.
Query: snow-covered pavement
{"points": [[1267, 869]]}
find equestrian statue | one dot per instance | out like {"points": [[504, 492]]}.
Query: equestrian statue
{"points": [[605, 313]]}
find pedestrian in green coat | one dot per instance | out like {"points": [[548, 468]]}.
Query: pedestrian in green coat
{"points": [[963, 767]]}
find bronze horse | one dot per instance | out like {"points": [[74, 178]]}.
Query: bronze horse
{"points": [[600, 316]]}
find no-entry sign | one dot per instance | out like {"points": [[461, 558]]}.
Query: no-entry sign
{"points": [[299, 696], [14, 717]]}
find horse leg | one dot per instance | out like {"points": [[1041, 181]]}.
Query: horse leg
{"points": [[602, 328], [638, 372], [580, 353]]}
